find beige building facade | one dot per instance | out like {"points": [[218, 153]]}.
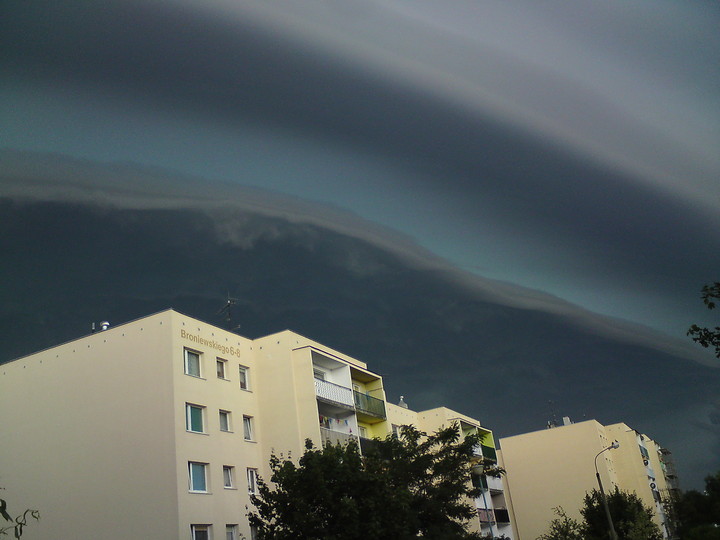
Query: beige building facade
{"points": [[158, 428], [493, 514], [556, 467]]}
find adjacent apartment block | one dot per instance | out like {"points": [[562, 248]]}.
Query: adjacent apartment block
{"points": [[159, 428], [556, 467], [493, 514]]}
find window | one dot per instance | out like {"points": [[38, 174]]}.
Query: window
{"points": [[244, 382], [192, 363], [198, 476], [194, 420], [225, 421], [228, 474], [252, 481], [253, 532], [200, 532], [221, 368], [319, 374], [247, 428], [231, 532]]}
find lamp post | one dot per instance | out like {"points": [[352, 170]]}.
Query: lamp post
{"points": [[613, 534]]}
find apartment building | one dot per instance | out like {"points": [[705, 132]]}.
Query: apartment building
{"points": [[557, 466], [493, 514], [159, 428]]}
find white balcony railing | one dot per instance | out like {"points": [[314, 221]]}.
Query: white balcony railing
{"points": [[328, 436], [334, 393], [494, 483]]}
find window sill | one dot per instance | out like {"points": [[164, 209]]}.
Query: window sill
{"points": [[200, 492], [250, 440], [197, 432], [226, 431], [196, 376], [230, 488]]}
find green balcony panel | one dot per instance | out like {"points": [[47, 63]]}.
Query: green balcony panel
{"points": [[489, 453], [369, 405]]}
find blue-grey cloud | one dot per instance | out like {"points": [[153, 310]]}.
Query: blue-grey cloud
{"points": [[539, 154], [568, 150], [41, 177], [85, 241]]}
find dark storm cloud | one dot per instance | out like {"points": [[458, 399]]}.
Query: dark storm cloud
{"points": [[607, 222], [496, 362], [582, 136], [41, 177]]}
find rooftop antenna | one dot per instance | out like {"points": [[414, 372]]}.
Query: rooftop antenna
{"points": [[553, 417], [227, 310]]}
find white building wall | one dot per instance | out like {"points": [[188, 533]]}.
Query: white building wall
{"points": [[87, 430]]}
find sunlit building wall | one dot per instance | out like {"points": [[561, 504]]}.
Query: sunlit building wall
{"points": [[555, 468], [493, 513], [159, 428]]}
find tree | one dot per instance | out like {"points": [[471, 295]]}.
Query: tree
{"points": [[563, 527], [404, 487], [433, 473], [632, 520], [18, 523], [699, 513], [705, 336]]}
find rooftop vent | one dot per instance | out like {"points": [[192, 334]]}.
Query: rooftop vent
{"points": [[103, 326]]}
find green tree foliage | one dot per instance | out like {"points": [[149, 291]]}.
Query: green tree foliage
{"points": [[17, 523], [708, 337], [404, 487], [563, 527], [699, 513], [632, 520]]}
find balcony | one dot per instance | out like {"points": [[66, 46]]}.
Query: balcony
{"points": [[334, 393], [328, 436], [479, 481], [486, 516], [494, 484], [367, 445], [502, 515], [369, 406], [489, 453]]}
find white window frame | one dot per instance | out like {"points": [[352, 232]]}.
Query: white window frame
{"points": [[191, 483], [318, 374], [229, 478], [248, 428], [227, 415], [231, 531], [224, 363], [186, 356], [194, 529], [244, 377], [252, 477], [188, 418]]}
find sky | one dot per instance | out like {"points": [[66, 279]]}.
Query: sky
{"points": [[559, 156]]}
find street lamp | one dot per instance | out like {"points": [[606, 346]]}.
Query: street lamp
{"points": [[613, 534]]}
